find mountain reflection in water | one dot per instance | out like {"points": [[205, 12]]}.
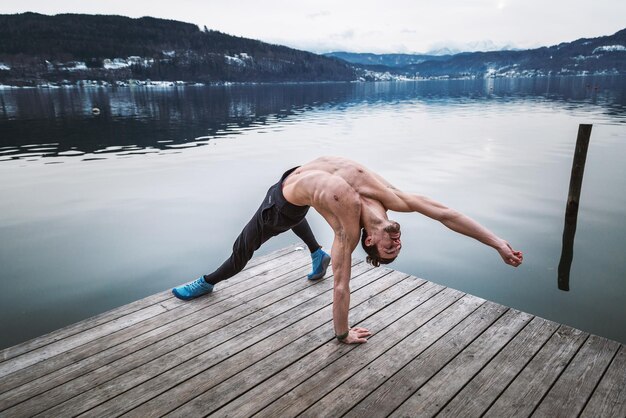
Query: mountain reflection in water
{"points": [[139, 120]]}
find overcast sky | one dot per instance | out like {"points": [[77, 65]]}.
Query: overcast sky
{"points": [[370, 26]]}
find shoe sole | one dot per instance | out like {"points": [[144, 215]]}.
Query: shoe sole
{"points": [[325, 263], [181, 297]]}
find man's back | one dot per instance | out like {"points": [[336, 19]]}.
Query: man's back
{"points": [[333, 178]]}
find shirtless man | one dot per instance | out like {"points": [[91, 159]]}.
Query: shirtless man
{"points": [[354, 201]]}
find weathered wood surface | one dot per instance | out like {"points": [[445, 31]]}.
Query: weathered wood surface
{"points": [[262, 345]]}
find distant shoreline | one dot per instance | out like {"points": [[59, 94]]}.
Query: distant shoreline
{"points": [[90, 84]]}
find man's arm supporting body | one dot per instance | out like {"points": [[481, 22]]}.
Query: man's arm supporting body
{"points": [[341, 254], [341, 207]]}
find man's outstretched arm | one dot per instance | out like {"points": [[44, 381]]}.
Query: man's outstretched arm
{"points": [[457, 222], [467, 226]]}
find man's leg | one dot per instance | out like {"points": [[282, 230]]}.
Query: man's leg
{"points": [[319, 258], [303, 231], [253, 235]]}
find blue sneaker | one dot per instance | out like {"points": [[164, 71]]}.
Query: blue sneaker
{"points": [[192, 290], [321, 260]]}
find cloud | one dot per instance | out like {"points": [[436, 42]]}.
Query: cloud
{"points": [[345, 35], [400, 49], [317, 15]]}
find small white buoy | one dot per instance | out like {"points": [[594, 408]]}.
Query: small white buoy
{"points": [[95, 111]]}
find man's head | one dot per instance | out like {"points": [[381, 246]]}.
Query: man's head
{"points": [[382, 245]]}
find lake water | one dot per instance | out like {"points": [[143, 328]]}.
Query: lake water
{"points": [[100, 210]]}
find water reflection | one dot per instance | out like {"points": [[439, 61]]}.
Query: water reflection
{"points": [[59, 122]]}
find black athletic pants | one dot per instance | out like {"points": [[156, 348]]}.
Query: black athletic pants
{"points": [[274, 216]]}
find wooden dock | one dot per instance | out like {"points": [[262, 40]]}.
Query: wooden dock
{"points": [[262, 344]]}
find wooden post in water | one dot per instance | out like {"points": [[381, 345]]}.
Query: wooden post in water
{"points": [[571, 209]]}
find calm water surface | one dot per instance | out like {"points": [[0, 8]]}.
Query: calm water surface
{"points": [[97, 211]]}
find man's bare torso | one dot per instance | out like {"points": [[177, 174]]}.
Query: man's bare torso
{"points": [[326, 176], [337, 188]]}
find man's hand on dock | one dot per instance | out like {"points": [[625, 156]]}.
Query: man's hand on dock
{"points": [[357, 335]]}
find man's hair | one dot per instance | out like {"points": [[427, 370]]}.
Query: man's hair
{"points": [[373, 256]]}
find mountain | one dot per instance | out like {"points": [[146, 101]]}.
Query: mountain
{"points": [[601, 55], [36, 47], [453, 48], [387, 60]]}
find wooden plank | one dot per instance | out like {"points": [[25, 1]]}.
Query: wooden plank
{"points": [[423, 303], [272, 256], [223, 299], [570, 393], [395, 390], [484, 388], [88, 330], [19, 349], [442, 387], [609, 398], [91, 356], [76, 340], [72, 329], [529, 387], [360, 361], [174, 354], [303, 355], [187, 381], [202, 322]]}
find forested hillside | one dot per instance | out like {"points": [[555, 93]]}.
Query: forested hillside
{"points": [[75, 46]]}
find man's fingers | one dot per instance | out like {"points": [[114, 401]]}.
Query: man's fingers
{"points": [[360, 340], [362, 332], [359, 334], [512, 261], [515, 259]]}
